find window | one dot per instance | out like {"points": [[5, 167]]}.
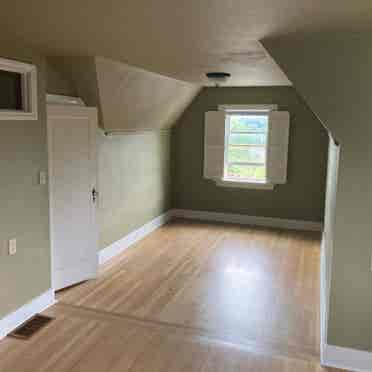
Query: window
{"points": [[18, 90], [11, 90], [246, 146]]}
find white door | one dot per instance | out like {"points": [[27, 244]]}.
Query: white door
{"points": [[72, 134]]}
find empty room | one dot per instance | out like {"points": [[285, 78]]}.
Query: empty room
{"points": [[185, 186]]}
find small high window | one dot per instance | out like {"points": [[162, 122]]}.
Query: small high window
{"points": [[18, 90]]}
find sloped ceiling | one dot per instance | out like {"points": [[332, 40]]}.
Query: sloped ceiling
{"points": [[181, 39], [128, 98], [135, 99], [80, 72]]}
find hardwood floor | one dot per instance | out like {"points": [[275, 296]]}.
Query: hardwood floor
{"points": [[81, 340], [235, 282], [189, 297]]}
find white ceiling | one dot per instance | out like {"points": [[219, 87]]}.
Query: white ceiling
{"points": [[179, 38]]}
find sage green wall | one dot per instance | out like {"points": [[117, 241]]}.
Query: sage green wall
{"points": [[333, 73], [23, 202], [302, 197], [57, 82], [134, 181], [133, 167]]}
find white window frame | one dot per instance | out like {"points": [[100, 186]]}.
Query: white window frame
{"points": [[251, 109], [28, 74]]}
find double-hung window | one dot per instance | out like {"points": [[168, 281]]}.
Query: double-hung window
{"points": [[246, 146]]}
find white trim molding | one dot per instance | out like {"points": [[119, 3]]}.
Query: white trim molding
{"points": [[58, 99], [25, 312], [245, 184], [345, 358], [249, 107], [243, 219], [28, 74], [133, 237], [324, 295]]}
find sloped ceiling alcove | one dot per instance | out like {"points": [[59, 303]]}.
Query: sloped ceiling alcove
{"points": [[128, 98], [333, 73], [134, 99]]}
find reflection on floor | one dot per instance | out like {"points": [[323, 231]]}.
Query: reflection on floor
{"points": [[189, 297]]}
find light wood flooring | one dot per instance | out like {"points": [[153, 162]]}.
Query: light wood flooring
{"points": [[189, 297]]}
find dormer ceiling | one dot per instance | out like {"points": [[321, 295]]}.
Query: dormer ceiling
{"points": [[128, 98], [133, 99], [180, 39]]}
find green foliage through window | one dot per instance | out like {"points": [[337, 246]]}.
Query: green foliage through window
{"points": [[246, 152]]}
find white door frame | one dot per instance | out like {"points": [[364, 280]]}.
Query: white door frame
{"points": [[58, 110]]}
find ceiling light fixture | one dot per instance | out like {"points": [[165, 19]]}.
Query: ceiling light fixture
{"points": [[217, 78]]}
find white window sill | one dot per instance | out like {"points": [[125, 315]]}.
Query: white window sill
{"points": [[245, 184]]}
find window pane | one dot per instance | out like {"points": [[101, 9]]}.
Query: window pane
{"points": [[251, 123], [247, 172], [247, 139], [246, 154], [10, 91]]}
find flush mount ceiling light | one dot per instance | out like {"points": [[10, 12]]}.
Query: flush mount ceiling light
{"points": [[217, 78]]}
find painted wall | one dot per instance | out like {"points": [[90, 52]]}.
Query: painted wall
{"points": [[134, 167], [23, 202], [333, 73], [57, 82], [134, 181], [302, 197]]}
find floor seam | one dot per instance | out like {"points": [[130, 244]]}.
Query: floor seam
{"points": [[251, 345]]}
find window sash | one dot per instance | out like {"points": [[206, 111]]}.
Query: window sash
{"points": [[246, 163], [246, 132], [229, 145], [245, 145], [228, 162]]}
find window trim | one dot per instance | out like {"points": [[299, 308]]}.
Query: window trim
{"points": [[252, 110], [258, 108], [28, 74], [245, 185]]}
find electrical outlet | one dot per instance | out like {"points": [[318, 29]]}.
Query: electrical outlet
{"points": [[43, 178], [12, 247]]}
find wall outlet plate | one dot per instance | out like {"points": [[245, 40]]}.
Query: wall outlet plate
{"points": [[12, 247], [43, 178]]}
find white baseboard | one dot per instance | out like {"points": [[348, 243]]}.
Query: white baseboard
{"points": [[323, 296], [248, 220], [345, 358], [16, 318], [128, 240], [121, 245]]}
